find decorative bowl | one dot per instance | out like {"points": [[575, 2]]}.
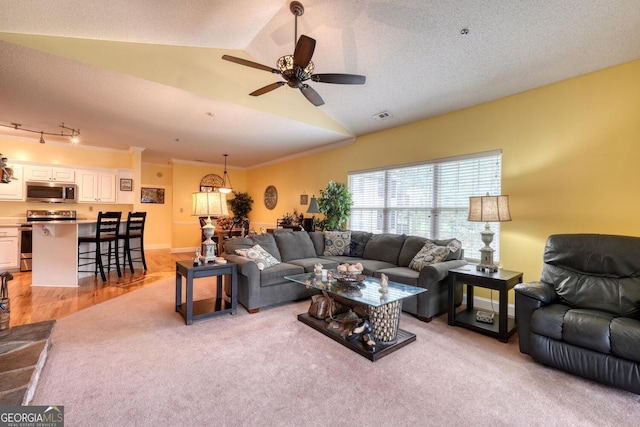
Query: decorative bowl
{"points": [[350, 279]]}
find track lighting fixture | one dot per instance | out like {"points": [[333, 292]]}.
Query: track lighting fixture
{"points": [[66, 131]]}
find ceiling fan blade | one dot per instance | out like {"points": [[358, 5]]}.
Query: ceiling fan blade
{"points": [[304, 51], [267, 88], [250, 64], [343, 79], [311, 95]]}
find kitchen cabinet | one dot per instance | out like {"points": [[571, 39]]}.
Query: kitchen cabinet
{"points": [[47, 173], [96, 186], [14, 190], [9, 249]]}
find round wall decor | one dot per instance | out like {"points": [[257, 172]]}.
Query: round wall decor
{"points": [[270, 197]]}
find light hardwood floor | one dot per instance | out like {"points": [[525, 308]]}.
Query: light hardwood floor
{"points": [[36, 304]]}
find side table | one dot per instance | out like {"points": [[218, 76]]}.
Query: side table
{"points": [[195, 310], [502, 281]]}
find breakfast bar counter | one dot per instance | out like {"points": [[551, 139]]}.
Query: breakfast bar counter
{"points": [[55, 251]]}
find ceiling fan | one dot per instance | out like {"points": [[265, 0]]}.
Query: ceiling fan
{"points": [[298, 68]]}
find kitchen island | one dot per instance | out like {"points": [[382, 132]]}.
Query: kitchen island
{"points": [[55, 251]]}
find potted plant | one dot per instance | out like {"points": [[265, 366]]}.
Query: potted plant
{"points": [[335, 203], [240, 205]]}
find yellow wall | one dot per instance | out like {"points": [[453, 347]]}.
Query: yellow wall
{"points": [[185, 229], [569, 165], [569, 160]]}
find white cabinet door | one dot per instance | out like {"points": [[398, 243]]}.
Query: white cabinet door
{"points": [[96, 187], [9, 248], [107, 187], [14, 190], [46, 173]]}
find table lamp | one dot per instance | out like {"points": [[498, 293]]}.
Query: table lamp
{"points": [[313, 209], [214, 204], [488, 209]]}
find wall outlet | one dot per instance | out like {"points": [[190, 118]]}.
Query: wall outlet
{"points": [[90, 208]]}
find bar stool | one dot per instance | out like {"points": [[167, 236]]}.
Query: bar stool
{"points": [[134, 230], [107, 231]]}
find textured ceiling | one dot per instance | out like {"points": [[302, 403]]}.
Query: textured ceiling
{"points": [[149, 74]]}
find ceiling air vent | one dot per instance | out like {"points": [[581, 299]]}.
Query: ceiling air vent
{"points": [[382, 116]]}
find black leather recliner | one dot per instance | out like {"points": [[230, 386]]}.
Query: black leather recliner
{"points": [[583, 316]]}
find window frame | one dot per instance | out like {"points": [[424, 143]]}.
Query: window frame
{"points": [[437, 214]]}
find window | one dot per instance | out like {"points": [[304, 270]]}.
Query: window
{"points": [[429, 199]]}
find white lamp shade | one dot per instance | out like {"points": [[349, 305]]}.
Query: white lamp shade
{"points": [[210, 204], [489, 209]]}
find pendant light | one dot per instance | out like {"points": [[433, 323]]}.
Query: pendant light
{"points": [[226, 181]]}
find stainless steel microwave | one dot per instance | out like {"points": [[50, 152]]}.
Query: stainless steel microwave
{"points": [[51, 192]]}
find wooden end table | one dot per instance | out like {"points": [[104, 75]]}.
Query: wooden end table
{"points": [[195, 310], [502, 281]]}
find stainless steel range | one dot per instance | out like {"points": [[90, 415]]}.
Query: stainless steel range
{"points": [[26, 231]]}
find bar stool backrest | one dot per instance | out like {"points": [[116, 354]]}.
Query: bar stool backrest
{"points": [[135, 224], [108, 225]]}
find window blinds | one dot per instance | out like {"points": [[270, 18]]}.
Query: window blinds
{"points": [[430, 199]]}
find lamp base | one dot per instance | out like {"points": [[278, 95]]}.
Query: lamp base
{"points": [[208, 251]]}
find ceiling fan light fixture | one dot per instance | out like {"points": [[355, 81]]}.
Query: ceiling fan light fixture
{"points": [[286, 66]]}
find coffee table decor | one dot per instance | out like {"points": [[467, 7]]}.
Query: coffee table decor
{"points": [[382, 310]]}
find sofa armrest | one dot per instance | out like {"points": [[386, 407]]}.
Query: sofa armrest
{"points": [[439, 271], [246, 267], [530, 296]]}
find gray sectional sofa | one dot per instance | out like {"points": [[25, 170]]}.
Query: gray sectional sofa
{"points": [[297, 252]]}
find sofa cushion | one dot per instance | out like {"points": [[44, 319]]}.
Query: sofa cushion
{"points": [[618, 296], [384, 247], [429, 254], [266, 241], [275, 274], [410, 247], [625, 338], [403, 275], [587, 329], [258, 255], [337, 242], [231, 245], [595, 271], [359, 240], [317, 237], [308, 263], [295, 245]]}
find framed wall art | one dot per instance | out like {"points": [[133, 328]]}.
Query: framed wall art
{"points": [[152, 195], [126, 184]]}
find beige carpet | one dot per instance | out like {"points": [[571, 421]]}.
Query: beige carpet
{"points": [[132, 361]]}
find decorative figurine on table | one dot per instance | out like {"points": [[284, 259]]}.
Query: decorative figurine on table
{"points": [[384, 284], [197, 260]]}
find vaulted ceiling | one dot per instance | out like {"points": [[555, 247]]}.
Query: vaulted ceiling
{"points": [[149, 73]]}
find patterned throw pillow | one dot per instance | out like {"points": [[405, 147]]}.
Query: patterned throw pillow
{"points": [[258, 255], [337, 242], [429, 254]]}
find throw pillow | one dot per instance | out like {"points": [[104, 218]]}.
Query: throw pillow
{"points": [[258, 255], [337, 242], [429, 254]]}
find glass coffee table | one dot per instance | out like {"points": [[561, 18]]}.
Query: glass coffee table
{"points": [[382, 310]]}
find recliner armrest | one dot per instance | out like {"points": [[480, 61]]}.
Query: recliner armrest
{"points": [[530, 296], [537, 290]]}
